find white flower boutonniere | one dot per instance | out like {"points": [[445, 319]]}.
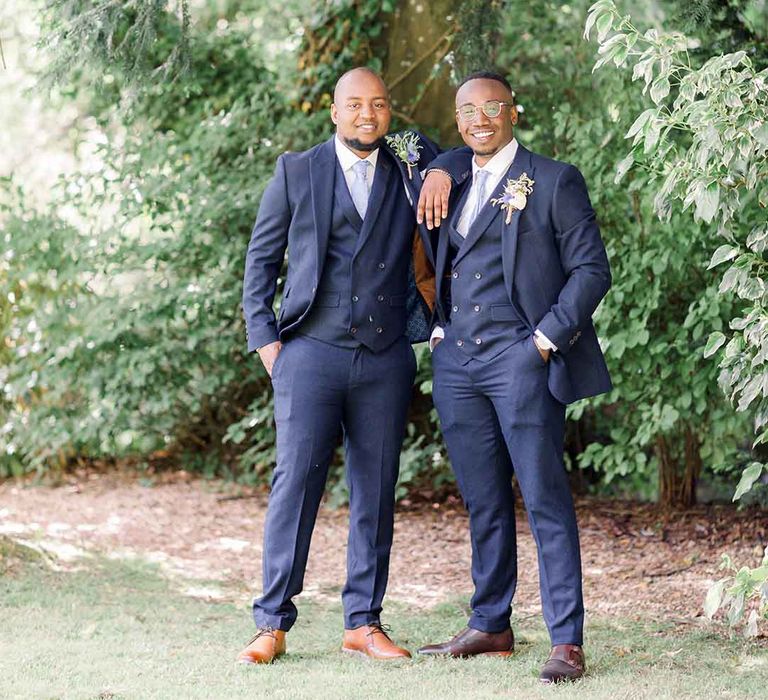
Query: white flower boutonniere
{"points": [[406, 147], [515, 195]]}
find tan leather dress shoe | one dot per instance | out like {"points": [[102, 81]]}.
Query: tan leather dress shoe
{"points": [[565, 663], [373, 642], [267, 644], [472, 642]]}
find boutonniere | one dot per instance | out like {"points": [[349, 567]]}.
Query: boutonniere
{"points": [[515, 195], [406, 147]]}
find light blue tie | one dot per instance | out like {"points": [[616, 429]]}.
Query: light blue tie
{"points": [[480, 183], [360, 189]]}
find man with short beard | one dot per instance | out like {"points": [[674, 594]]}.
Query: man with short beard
{"points": [[337, 353], [520, 270]]}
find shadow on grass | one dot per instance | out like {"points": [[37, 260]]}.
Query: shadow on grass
{"points": [[119, 630]]}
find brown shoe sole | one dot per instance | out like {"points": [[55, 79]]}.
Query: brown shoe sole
{"points": [[502, 654], [357, 652], [248, 662]]}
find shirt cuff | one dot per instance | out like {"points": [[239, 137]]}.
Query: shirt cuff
{"points": [[543, 342], [437, 334]]}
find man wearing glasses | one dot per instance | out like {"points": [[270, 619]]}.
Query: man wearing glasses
{"points": [[520, 270]]}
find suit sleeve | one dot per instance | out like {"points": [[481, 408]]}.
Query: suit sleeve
{"points": [[264, 260], [457, 162], [584, 261]]}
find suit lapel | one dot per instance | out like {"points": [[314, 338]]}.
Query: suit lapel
{"points": [[381, 179], [489, 213], [444, 239], [322, 175], [522, 164]]}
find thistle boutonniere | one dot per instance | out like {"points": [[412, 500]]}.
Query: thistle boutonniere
{"points": [[515, 195], [406, 147]]}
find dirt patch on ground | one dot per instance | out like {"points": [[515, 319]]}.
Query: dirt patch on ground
{"points": [[636, 560]]}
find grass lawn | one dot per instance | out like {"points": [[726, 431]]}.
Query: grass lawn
{"points": [[118, 630]]}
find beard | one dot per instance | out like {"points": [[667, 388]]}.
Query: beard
{"points": [[359, 145]]}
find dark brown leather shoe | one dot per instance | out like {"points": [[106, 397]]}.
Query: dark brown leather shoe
{"points": [[265, 646], [471, 642], [373, 642], [565, 663]]}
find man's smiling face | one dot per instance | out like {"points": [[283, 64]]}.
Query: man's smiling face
{"points": [[361, 111], [486, 136]]}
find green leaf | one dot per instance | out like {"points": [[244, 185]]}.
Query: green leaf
{"points": [[715, 340], [621, 169], [761, 134], [707, 202], [748, 477], [714, 598], [659, 88], [639, 123], [723, 254], [604, 25]]}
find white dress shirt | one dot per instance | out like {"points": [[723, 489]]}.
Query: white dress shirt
{"points": [[347, 160], [497, 168]]}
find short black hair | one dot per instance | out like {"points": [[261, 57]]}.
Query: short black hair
{"points": [[487, 75]]}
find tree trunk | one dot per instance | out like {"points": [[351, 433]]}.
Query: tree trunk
{"points": [[678, 477], [416, 39]]}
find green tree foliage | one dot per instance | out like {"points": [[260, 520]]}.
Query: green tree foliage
{"points": [[126, 330], [705, 143], [125, 335]]}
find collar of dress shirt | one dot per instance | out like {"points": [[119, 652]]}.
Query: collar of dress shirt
{"points": [[347, 158], [499, 164]]}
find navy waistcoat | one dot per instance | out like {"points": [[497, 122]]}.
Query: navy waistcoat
{"points": [[483, 323], [362, 291]]}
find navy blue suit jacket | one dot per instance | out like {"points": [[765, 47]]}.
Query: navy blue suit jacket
{"points": [[295, 213], [556, 269]]}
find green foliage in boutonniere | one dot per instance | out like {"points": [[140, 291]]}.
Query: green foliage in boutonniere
{"points": [[406, 147], [515, 195]]}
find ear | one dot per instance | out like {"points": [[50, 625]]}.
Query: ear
{"points": [[334, 113], [513, 115]]}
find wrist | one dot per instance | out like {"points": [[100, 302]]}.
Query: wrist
{"points": [[438, 170]]}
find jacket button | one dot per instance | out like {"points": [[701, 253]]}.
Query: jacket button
{"points": [[379, 330], [353, 330], [381, 266], [355, 298], [455, 275], [380, 297], [478, 341], [477, 275], [460, 343], [455, 309], [477, 307]]}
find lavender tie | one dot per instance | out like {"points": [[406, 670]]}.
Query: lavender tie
{"points": [[481, 182], [360, 189]]}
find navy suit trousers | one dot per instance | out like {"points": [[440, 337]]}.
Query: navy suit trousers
{"points": [[322, 390], [499, 416]]}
